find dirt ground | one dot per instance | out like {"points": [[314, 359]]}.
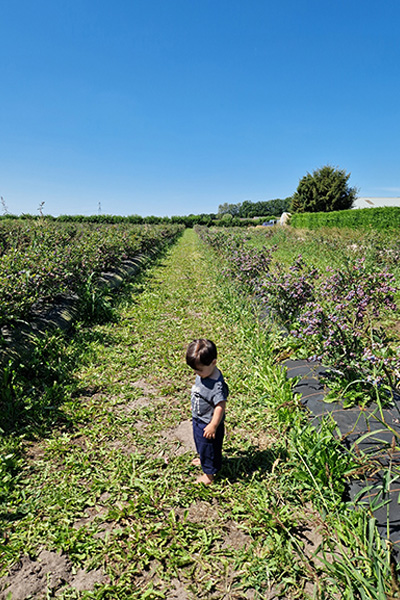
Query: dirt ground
{"points": [[52, 573], [49, 573]]}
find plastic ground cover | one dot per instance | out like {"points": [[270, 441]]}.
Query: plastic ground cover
{"points": [[369, 430]]}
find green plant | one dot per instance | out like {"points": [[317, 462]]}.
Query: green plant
{"points": [[385, 220], [322, 464], [8, 399], [95, 304], [325, 190], [359, 561]]}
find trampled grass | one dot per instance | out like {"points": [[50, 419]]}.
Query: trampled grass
{"points": [[111, 486]]}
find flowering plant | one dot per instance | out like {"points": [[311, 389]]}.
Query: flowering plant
{"points": [[342, 325], [333, 315], [286, 293]]}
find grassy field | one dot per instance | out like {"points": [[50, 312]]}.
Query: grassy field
{"points": [[104, 493]]}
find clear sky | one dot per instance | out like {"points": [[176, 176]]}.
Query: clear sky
{"points": [[172, 107]]}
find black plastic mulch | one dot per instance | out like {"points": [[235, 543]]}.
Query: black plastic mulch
{"points": [[369, 430]]}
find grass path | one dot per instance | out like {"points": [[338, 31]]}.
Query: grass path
{"points": [[114, 491]]}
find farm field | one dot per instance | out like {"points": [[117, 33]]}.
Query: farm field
{"points": [[336, 293], [102, 486]]}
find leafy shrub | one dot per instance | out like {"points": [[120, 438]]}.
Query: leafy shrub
{"points": [[340, 325], [243, 263], [381, 219], [288, 292], [41, 259]]}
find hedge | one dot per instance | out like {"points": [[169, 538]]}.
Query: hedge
{"points": [[361, 218]]}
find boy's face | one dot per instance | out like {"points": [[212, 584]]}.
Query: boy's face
{"points": [[205, 370]]}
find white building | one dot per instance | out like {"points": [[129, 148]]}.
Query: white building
{"points": [[376, 202]]}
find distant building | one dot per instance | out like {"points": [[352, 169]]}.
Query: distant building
{"points": [[376, 202]]}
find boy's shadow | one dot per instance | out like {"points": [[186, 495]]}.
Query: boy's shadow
{"points": [[246, 464]]}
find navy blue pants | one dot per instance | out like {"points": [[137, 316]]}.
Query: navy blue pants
{"points": [[209, 450]]}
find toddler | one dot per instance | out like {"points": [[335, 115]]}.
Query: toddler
{"points": [[209, 395]]}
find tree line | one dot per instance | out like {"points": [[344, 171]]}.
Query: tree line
{"points": [[207, 219], [249, 210]]}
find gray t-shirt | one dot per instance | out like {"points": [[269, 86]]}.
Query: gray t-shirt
{"points": [[206, 394]]}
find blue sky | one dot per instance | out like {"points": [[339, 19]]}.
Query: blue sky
{"points": [[172, 107]]}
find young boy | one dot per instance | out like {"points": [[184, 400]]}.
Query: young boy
{"points": [[209, 395]]}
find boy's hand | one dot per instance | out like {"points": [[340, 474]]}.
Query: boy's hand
{"points": [[211, 428], [209, 431]]}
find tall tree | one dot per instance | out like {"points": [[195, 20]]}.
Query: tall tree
{"points": [[229, 209], [264, 208], [326, 190]]}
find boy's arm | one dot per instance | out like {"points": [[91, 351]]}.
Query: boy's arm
{"points": [[211, 428]]}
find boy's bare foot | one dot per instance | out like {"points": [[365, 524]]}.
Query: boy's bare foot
{"points": [[205, 478], [196, 462]]}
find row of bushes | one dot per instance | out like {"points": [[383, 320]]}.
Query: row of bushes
{"points": [[188, 221], [334, 315], [367, 218], [364, 218], [40, 260]]}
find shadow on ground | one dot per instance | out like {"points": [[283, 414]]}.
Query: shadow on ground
{"points": [[249, 463]]}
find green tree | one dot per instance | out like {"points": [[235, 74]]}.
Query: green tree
{"points": [[264, 208], [229, 209], [326, 190], [278, 206]]}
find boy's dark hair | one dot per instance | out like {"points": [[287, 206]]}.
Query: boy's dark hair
{"points": [[201, 351]]}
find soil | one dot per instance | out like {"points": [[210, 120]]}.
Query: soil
{"points": [[181, 438], [50, 572]]}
